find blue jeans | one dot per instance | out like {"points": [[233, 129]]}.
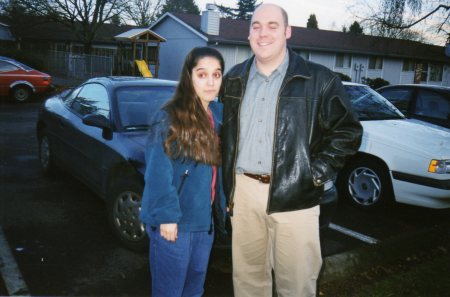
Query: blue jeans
{"points": [[178, 268]]}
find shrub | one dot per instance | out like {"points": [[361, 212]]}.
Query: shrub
{"points": [[343, 77], [375, 83]]}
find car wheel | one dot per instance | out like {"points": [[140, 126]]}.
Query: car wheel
{"points": [[124, 205], [366, 184], [21, 93], [46, 155]]}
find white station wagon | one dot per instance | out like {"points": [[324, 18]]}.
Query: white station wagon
{"points": [[399, 159]]}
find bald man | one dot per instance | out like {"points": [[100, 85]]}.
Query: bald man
{"points": [[287, 130]]}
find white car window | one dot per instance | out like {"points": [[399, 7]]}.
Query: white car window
{"points": [[368, 105], [431, 104]]}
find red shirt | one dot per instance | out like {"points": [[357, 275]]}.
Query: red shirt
{"points": [[214, 168]]}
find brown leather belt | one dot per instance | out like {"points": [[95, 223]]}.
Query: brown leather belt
{"points": [[263, 178]]}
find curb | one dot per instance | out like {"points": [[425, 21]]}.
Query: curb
{"points": [[9, 271], [390, 251]]}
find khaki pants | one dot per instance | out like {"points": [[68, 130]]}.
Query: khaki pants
{"points": [[286, 242]]}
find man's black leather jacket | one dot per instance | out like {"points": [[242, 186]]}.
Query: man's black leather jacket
{"points": [[315, 131]]}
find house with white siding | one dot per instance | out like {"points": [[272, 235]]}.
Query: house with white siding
{"points": [[358, 56]]}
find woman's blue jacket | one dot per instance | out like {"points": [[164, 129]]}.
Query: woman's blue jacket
{"points": [[169, 199]]}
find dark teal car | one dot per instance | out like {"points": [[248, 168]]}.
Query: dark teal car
{"points": [[97, 133]]}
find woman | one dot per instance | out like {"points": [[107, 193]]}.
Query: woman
{"points": [[182, 188]]}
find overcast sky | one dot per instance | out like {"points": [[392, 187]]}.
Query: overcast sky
{"points": [[330, 14], [334, 14]]}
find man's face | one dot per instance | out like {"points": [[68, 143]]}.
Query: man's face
{"points": [[268, 34]]}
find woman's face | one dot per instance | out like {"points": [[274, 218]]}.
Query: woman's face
{"points": [[207, 78]]}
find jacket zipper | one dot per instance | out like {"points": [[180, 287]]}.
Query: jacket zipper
{"points": [[231, 203], [274, 138], [183, 179]]}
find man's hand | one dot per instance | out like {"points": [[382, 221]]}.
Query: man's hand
{"points": [[169, 231]]}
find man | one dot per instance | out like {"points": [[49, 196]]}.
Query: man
{"points": [[287, 129]]}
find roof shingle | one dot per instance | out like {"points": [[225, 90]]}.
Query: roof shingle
{"points": [[236, 32]]}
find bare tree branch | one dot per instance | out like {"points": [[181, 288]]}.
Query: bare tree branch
{"points": [[143, 12], [83, 17], [446, 7]]}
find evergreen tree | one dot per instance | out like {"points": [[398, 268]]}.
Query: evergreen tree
{"points": [[245, 9], [312, 22], [243, 12], [227, 12], [185, 6], [355, 28], [115, 20]]}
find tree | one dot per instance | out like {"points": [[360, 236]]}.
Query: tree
{"points": [[227, 12], [115, 20], [245, 9], [143, 12], [185, 6], [82, 17], [312, 22], [355, 28], [396, 18], [243, 12]]}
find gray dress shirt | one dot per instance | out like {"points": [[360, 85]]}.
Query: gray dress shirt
{"points": [[257, 120]]}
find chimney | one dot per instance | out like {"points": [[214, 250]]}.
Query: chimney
{"points": [[210, 20]]}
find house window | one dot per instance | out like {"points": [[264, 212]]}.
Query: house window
{"points": [[436, 72], [104, 52], [342, 61], [61, 47], [375, 62], [77, 49], [408, 65], [424, 72]]}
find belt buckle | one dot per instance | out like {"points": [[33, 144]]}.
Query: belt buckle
{"points": [[264, 178]]}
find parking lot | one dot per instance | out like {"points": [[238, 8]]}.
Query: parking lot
{"points": [[56, 228]]}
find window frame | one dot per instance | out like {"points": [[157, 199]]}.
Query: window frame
{"points": [[71, 102], [375, 63], [408, 65], [346, 61]]}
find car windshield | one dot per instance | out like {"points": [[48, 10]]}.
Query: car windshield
{"points": [[368, 105], [137, 105]]}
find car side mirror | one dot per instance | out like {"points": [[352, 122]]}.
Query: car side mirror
{"points": [[100, 121]]}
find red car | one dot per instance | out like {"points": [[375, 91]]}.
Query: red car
{"points": [[20, 82]]}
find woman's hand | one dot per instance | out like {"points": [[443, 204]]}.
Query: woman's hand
{"points": [[169, 231]]}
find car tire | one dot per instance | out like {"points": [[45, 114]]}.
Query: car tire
{"points": [[366, 184], [124, 205], [46, 155], [21, 93]]}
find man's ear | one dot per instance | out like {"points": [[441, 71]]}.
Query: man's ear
{"points": [[288, 32]]}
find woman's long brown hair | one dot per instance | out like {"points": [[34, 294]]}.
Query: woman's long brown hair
{"points": [[191, 135]]}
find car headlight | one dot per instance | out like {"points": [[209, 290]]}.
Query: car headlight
{"points": [[439, 166]]}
